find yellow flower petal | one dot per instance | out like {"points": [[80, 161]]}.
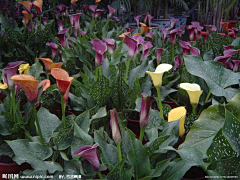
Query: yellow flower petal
{"points": [[23, 68], [194, 92], [178, 113], [3, 86]]}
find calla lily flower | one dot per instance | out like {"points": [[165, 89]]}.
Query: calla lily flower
{"points": [[225, 26], [23, 68], [149, 17], [49, 64], [173, 34], [57, 14], [137, 18], [150, 35], [111, 11], [165, 34], [38, 4], [157, 75], [76, 24], [177, 62], [10, 71], [63, 82], [187, 47], [85, 8], [159, 54], [228, 47], [90, 153], [27, 5], [45, 83], [60, 25], [116, 19], [110, 45], [45, 20], [172, 22], [70, 39], [176, 114], [29, 85], [61, 36], [146, 46], [95, 12], [236, 64], [144, 111], [100, 49], [3, 86], [73, 2], [139, 40], [227, 54], [123, 35], [144, 28], [204, 35], [114, 126], [194, 92], [26, 18], [194, 31], [54, 48], [132, 45]]}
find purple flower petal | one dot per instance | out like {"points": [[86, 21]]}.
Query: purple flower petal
{"points": [[136, 18], [177, 62], [100, 49], [159, 54], [110, 45], [132, 46], [114, 126], [54, 48], [111, 11], [145, 108]]}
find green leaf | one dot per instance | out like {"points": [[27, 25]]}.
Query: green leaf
{"points": [[109, 152], [101, 91], [5, 126], [83, 120], [36, 69], [63, 139], [204, 129], [48, 123], [233, 106], [236, 41], [137, 156], [216, 76], [231, 130], [115, 173], [33, 153]]}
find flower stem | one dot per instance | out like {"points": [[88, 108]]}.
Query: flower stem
{"points": [[38, 126], [208, 95], [119, 151], [13, 109], [160, 103], [47, 76], [99, 175], [63, 105], [127, 69], [142, 129], [173, 52], [194, 108], [100, 70]]}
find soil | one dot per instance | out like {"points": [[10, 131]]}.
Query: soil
{"points": [[6, 159]]}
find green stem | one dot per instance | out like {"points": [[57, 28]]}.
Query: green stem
{"points": [[194, 108], [63, 105], [119, 151], [47, 76], [38, 126], [13, 103], [127, 69], [96, 74], [99, 175], [100, 70], [160, 103], [208, 95], [142, 129], [173, 52]]}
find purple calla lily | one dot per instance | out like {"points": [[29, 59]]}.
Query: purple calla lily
{"points": [[71, 19], [90, 153], [116, 19], [137, 18], [60, 25], [139, 40], [132, 46], [149, 17], [54, 48], [76, 24], [114, 126], [145, 18], [100, 49], [165, 34], [10, 71], [145, 108], [172, 22], [95, 12], [187, 47], [228, 47], [57, 14], [229, 52], [223, 59], [45, 20], [150, 35], [159, 54], [110, 45], [177, 62], [173, 35], [61, 36], [111, 11], [236, 64], [146, 45]]}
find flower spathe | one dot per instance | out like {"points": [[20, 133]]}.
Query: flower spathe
{"points": [[176, 114], [144, 28], [132, 46], [145, 108], [110, 45], [157, 75], [49, 64], [114, 126], [27, 5], [194, 92], [29, 85], [63, 82], [100, 49], [90, 153], [38, 4], [45, 83], [54, 48]]}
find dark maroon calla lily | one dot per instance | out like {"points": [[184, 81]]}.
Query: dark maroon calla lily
{"points": [[223, 59], [90, 153], [194, 31], [228, 47], [54, 48], [146, 45], [110, 45], [114, 126], [132, 46], [159, 54], [229, 52], [187, 47], [137, 18], [145, 108], [150, 35], [236, 64], [173, 35], [100, 49], [57, 14], [177, 62], [60, 25], [61, 36], [111, 11], [95, 12], [10, 71], [145, 18], [45, 20]]}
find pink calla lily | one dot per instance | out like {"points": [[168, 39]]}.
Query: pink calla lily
{"points": [[145, 108], [159, 54], [177, 62], [100, 49], [172, 22], [114, 126], [54, 48], [61, 36], [236, 65], [132, 46], [110, 45], [137, 19], [111, 11], [60, 25], [150, 35], [146, 46]]}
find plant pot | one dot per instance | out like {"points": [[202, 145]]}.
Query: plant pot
{"points": [[12, 169], [195, 173], [163, 23]]}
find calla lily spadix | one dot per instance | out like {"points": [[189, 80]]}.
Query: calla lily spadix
{"points": [[157, 75], [90, 153], [176, 114]]}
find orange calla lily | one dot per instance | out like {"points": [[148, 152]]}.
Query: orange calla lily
{"points": [[124, 34], [96, 2], [38, 4], [45, 83], [63, 81], [27, 5], [73, 2], [26, 18], [225, 26], [29, 85], [49, 64], [144, 28]]}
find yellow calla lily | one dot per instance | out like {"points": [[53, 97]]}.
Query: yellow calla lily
{"points": [[157, 75], [178, 113], [3, 86], [23, 68], [194, 92]]}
